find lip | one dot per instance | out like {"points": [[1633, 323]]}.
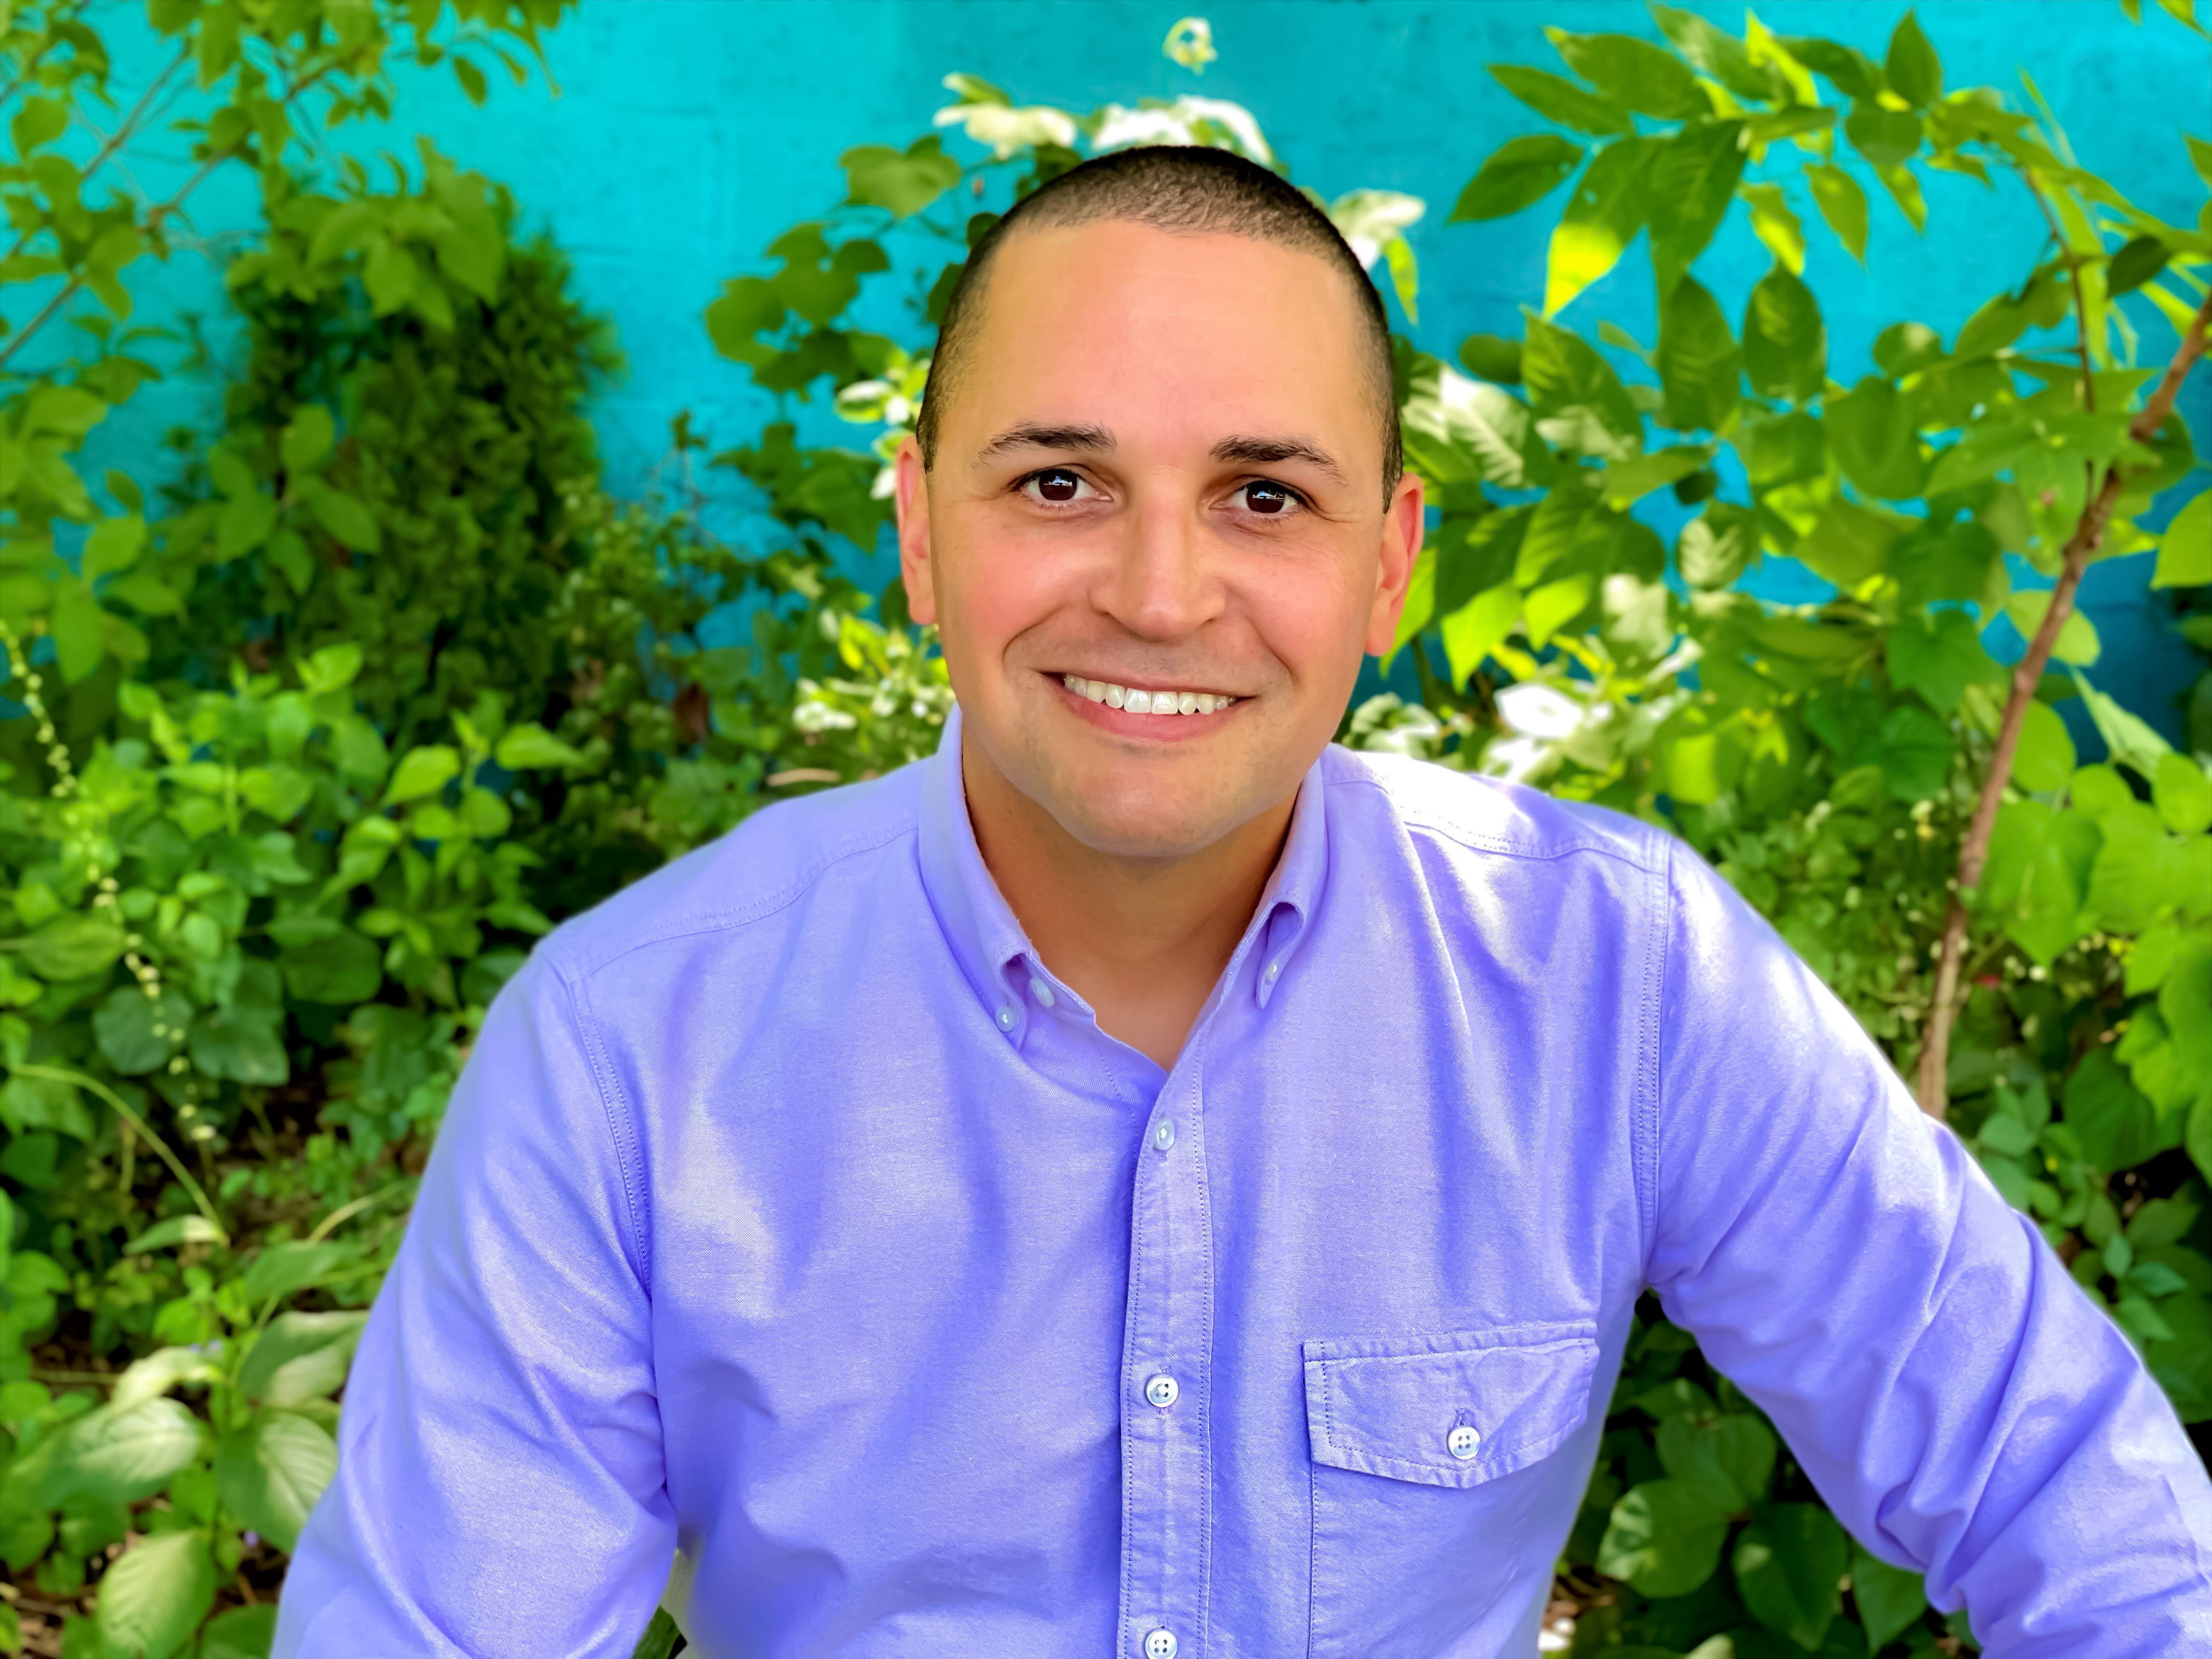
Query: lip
{"points": [[1144, 728]]}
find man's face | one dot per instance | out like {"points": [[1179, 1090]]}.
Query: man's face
{"points": [[1160, 473]]}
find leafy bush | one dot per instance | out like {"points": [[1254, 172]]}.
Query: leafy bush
{"points": [[313, 748]]}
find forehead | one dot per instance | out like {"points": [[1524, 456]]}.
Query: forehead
{"points": [[1166, 332]]}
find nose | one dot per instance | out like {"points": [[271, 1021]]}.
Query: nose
{"points": [[1161, 586]]}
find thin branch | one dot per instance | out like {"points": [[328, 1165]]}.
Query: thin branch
{"points": [[122, 1110], [121, 136], [2081, 300], [8, 92], [154, 218], [2027, 675]]}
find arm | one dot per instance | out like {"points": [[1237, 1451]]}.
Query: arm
{"points": [[499, 1486], [1958, 1400]]}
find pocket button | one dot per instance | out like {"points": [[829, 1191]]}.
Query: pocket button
{"points": [[1463, 1443]]}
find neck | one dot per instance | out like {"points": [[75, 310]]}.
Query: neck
{"points": [[1142, 940]]}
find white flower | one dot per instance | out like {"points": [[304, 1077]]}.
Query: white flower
{"points": [[1532, 709], [1369, 218], [1006, 129]]}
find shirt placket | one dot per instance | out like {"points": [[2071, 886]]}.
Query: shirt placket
{"points": [[1166, 1380]]}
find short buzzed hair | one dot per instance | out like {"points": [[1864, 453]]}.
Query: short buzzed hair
{"points": [[1178, 188]]}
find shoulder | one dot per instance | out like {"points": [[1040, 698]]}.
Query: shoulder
{"points": [[762, 869], [1479, 817]]}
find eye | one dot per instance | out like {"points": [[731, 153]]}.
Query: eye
{"points": [[1269, 499], [1057, 485]]}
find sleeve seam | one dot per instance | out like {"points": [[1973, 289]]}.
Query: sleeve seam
{"points": [[1651, 1083], [620, 1131]]}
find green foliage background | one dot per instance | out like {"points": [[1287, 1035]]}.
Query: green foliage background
{"points": [[322, 725]]}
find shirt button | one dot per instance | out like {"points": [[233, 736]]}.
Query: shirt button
{"points": [[1042, 991], [1163, 1134], [1162, 1391], [1463, 1441], [1005, 1019], [1160, 1644]]}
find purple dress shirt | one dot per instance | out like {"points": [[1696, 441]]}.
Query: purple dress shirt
{"points": [[792, 1215]]}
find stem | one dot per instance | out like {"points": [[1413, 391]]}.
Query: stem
{"points": [[120, 137], [69, 289], [330, 1222], [1973, 853], [122, 1110], [2081, 300]]}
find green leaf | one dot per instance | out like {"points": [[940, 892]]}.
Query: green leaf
{"points": [[245, 1632], [301, 1357], [1890, 1598], [529, 745], [1698, 364], [878, 176], [2037, 875], [1716, 546], [1871, 434], [177, 1230], [421, 772], [1563, 370], [2077, 641], [1940, 656], [2183, 794], [1914, 72], [117, 1454], [136, 1033], [2115, 1124], [333, 668], [247, 521], [1886, 137], [343, 968], [1558, 100], [1787, 1567], [1664, 1538], [1633, 73], [1731, 1458], [348, 521], [1843, 205], [1519, 173], [2045, 757], [1785, 343], [114, 544], [308, 439], [2135, 263], [1601, 219], [281, 1269], [1849, 542], [2185, 551], [1692, 180], [1471, 633], [1492, 356], [1774, 222], [1905, 191], [271, 1473], [1719, 54], [73, 946], [152, 1599], [748, 306], [244, 1043], [1625, 483], [390, 273], [1915, 752]]}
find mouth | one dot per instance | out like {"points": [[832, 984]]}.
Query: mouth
{"points": [[1158, 712]]}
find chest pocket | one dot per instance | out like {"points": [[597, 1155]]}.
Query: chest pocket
{"points": [[1418, 1526]]}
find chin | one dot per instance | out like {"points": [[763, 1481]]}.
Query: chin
{"points": [[1142, 824]]}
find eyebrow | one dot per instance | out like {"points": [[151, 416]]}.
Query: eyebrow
{"points": [[1265, 451], [1031, 434]]}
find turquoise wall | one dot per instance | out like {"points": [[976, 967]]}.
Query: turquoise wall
{"points": [[688, 133]]}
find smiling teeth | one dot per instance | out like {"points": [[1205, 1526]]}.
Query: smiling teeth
{"points": [[1146, 703]]}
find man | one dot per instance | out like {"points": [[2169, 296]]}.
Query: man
{"points": [[1146, 1183]]}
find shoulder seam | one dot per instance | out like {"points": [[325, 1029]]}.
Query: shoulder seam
{"points": [[1644, 1117], [743, 915], [619, 1128], [1479, 840]]}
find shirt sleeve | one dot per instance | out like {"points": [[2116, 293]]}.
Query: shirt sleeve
{"points": [[1962, 1405], [501, 1488]]}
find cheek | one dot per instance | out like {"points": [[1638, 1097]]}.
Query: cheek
{"points": [[998, 585], [1312, 614]]}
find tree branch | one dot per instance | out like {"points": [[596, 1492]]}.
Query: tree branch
{"points": [[2081, 300], [121, 136], [2027, 675]]}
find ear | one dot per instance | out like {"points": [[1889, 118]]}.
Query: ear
{"points": [[912, 496], [1404, 525]]}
